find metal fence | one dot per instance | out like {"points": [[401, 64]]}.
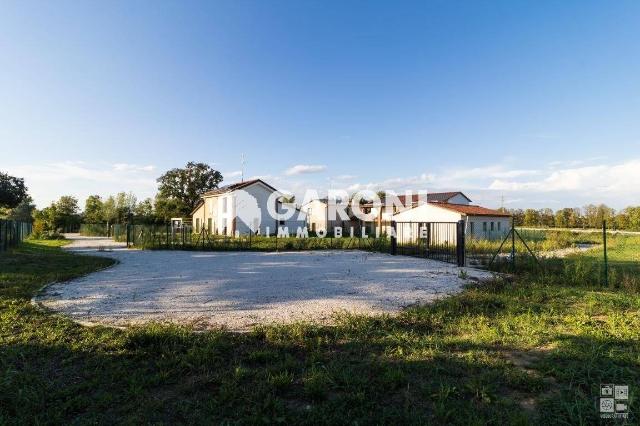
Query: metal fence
{"points": [[443, 241], [184, 238], [13, 232]]}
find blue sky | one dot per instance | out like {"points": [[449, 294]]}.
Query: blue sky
{"points": [[536, 103]]}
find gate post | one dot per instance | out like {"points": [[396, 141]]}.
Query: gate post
{"points": [[394, 240], [460, 242]]}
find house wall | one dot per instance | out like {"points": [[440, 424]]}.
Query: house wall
{"points": [[298, 220], [441, 233], [475, 227], [198, 218], [458, 199], [316, 215], [427, 213], [245, 222]]}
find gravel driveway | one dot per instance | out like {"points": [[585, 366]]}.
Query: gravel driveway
{"points": [[239, 289]]}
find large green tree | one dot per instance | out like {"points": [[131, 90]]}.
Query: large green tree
{"points": [[185, 185], [12, 191], [93, 209], [167, 208]]}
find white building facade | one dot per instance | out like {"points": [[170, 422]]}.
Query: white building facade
{"points": [[244, 208]]}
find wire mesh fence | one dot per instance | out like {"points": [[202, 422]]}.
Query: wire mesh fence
{"points": [[13, 232], [603, 257]]}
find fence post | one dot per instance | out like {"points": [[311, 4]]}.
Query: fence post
{"points": [[513, 243], [394, 240], [604, 243], [460, 251]]}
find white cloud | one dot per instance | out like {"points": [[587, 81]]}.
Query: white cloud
{"points": [[304, 169], [49, 181], [122, 167], [619, 180], [551, 186]]}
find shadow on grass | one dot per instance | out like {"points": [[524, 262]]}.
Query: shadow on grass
{"points": [[420, 367]]}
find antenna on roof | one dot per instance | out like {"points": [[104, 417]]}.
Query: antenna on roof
{"points": [[502, 201], [242, 167]]}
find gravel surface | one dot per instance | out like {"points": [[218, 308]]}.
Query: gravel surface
{"points": [[81, 243], [240, 289]]}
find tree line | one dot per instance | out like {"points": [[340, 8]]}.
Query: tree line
{"points": [[589, 216], [179, 190]]}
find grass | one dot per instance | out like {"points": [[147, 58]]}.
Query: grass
{"points": [[532, 350]]}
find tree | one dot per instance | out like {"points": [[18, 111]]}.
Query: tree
{"points": [[531, 217], [12, 190], [547, 217], [166, 208], [144, 211], [23, 212], [125, 204], [187, 185], [66, 213], [93, 209], [109, 212]]}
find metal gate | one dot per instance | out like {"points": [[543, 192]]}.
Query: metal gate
{"points": [[442, 241]]}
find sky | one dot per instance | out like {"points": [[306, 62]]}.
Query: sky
{"points": [[517, 104]]}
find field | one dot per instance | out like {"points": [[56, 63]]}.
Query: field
{"points": [[532, 349]]}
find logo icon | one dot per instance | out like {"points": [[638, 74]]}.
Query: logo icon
{"points": [[248, 211], [606, 390], [621, 392], [614, 401], [606, 405]]}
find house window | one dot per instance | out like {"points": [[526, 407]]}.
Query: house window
{"points": [[224, 205], [499, 225], [491, 226], [209, 221], [471, 227], [197, 224], [484, 226]]}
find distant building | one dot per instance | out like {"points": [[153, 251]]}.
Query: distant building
{"points": [[480, 222], [242, 208]]}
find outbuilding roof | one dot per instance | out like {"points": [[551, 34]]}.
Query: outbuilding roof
{"points": [[443, 197], [470, 210], [432, 197]]}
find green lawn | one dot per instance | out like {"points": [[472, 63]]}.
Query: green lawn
{"points": [[534, 350]]}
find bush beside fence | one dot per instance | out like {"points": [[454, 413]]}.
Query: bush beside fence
{"points": [[13, 232]]}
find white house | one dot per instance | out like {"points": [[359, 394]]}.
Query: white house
{"points": [[320, 217], [242, 208], [480, 222]]}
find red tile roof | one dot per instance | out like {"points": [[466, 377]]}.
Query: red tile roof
{"points": [[470, 210]]}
